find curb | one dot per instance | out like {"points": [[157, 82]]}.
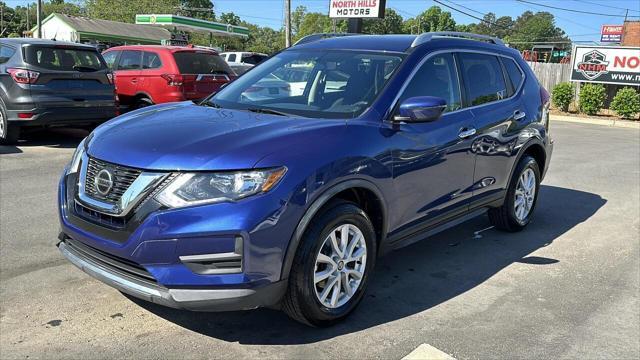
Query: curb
{"points": [[602, 122]]}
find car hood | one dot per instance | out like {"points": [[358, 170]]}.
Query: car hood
{"points": [[185, 136]]}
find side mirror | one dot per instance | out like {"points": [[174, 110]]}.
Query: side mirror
{"points": [[421, 109]]}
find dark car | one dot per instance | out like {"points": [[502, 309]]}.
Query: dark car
{"points": [[51, 83], [240, 202]]}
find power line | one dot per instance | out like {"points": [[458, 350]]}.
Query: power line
{"points": [[606, 6], [573, 10], [473, 16]]}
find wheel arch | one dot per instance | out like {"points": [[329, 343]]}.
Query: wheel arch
{"points": [[535, 149], [360, 191]]}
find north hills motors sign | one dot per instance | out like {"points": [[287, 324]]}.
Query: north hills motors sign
{"points": [[356, 8], [606, 64]]}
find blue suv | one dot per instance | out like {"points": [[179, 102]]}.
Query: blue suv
{"points": [[288, 198]]}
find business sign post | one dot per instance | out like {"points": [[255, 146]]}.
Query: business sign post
{"points": [[611, 34], [606, 65], [355, 11]]}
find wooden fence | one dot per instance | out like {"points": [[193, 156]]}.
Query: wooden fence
{"points": [[550, 74]]}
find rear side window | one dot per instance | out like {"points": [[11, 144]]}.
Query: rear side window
{"points": [[130, 60], [6, 53], [110, 58], [190, 62], [437, 77], [231, 57], [150, 60], [253, 59], [63, 58], [483, 78], [515, 74]]}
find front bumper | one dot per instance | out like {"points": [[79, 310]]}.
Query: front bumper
{"points": [[188, 299]]}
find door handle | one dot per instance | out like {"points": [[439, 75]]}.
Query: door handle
{"points": [[465, 133], [518, 115], [134, 80]]}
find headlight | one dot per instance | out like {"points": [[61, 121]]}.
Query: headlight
{"points": [[74, 166], [206, 188]]}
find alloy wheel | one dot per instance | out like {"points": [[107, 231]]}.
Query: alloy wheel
{"points": [[2, 129], [525, 194], [340, 265]]}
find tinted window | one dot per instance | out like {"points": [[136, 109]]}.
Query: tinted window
{"points": [[110, 58], [130, 60], [231, 57], [254, 59], [63, 59], [483, 78], [190, 62], [6, 53], [150, 60], [515, 75], [437, 77]]}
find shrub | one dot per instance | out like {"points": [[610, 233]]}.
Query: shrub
{"points": [[562, 96], [626, 103], [592, 97]]}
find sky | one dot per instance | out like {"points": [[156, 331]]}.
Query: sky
{"points": [[580, 27]]}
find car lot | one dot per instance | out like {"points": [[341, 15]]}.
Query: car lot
{"points": [[567, 286]]}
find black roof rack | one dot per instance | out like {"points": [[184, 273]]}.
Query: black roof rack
{"points": [[320, 36], [426, 37]]}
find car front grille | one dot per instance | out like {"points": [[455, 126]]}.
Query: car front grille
{"points": [[123, 178], [96, 217], [111, 262]]}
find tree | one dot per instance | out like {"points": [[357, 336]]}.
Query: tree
{"points": [[200, 9], [530, 28], [314, 23], [391, 24], [126, 10], [297, 16], [434, 19], [230, 18]]}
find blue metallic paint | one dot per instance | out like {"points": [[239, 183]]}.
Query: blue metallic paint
{"points": [[418, 171]]}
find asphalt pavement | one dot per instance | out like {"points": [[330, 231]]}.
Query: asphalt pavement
{"points": [[566, 287]]}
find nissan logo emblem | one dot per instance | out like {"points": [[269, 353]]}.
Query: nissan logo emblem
{"points": [[103, 182]]}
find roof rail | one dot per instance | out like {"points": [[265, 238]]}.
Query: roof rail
{"points": [[320, 36], [426, 37]]}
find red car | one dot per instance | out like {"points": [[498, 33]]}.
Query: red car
{"points": [[150, 74]]}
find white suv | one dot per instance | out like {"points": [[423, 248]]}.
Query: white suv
{"points": [[241, 61]]}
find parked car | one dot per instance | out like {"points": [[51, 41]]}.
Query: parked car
{"points": [[51, 83], [149, 74], [242, 61], [238, 203]]}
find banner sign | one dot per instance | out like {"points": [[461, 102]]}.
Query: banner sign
{"points": [[606, 64], [356, 9], [611, 33]]}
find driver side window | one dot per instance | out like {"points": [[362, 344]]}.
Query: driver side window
{"points": [[437, 77]]}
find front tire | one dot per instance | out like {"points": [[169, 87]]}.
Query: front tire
{"points": [[332, 265], [522, 196]]}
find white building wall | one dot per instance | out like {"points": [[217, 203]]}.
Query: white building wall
{"points": [[57, 29]]}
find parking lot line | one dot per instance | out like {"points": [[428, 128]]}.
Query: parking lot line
{"points": [[427, 352]]}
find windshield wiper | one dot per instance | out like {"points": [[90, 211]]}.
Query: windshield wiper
{"points": [[268, 111], [209, 103]]}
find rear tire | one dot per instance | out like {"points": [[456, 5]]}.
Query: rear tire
{"points": [[303, 301], [8, 135], [520, 202], [142, 103]]}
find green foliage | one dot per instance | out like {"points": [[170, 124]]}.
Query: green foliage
{"points": [[433, 19], [592, 97], [534, 27], [126, 10], [391, 24], [626, 103], [562, 96]]}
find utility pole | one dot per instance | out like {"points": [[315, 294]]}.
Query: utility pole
{"points": [[287, 22], [39, 18]]}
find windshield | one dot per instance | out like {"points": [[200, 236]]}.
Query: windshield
{"points": [[63, 58], [316, 84]]}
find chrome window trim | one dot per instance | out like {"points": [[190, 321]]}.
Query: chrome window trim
{"points": [[137, 191], [387, 116]]}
